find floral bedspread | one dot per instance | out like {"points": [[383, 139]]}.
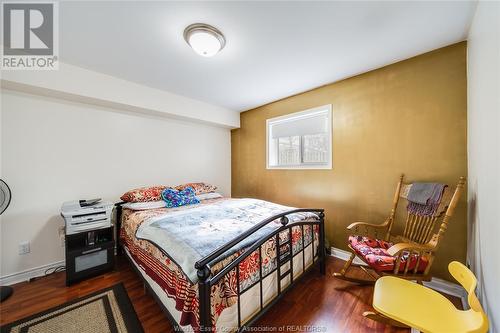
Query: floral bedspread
{"points": [[173, 279]]}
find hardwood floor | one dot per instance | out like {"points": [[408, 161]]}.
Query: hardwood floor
{"points": [[317, 303]]}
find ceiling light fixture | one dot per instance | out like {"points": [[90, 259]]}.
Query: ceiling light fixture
{"points": [[204, 39]]}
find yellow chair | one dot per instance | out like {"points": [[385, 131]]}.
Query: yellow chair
{"points": [[427, 310]]}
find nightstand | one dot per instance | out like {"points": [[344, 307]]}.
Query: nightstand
{"points": [[89, 253]]}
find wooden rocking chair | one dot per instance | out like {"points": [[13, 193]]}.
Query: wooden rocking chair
{"points": [[410, 255]]}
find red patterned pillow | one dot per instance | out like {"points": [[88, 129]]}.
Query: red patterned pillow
{"points": [[144, 194], [199, 188]]}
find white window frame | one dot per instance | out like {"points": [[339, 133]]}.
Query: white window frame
{"points": [[302, 166]]}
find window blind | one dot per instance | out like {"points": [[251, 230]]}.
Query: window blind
{"points": [[312, 124]]}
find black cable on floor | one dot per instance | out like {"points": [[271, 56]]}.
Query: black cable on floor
{"points": [[49, 271]]}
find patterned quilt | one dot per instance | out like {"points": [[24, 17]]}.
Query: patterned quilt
{"points": [[158, 264]]}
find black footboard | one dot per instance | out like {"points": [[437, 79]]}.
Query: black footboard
{"points": [[207, 279]]}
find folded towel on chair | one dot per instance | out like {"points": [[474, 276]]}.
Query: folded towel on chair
{"points": [[424, 198]]}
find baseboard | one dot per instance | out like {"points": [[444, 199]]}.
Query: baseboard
{"points": [[437, 284], [28, 274], [345, 255], [449, 288]]}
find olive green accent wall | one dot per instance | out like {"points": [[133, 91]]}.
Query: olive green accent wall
{"points": [[409, 117]]}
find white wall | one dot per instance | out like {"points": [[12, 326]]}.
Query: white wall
{"points": [[55, 150], [484, 155]]}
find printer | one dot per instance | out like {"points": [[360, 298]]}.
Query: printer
{"points": [[85, 215]]}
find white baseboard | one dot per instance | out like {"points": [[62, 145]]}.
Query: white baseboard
{"points": [[345, 255], [28, 274], [437, 284], [449, 288]]}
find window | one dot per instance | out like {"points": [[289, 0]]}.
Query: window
{"points": [[301, 140]]}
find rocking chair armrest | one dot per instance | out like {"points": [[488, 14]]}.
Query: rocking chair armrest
{"points": [[396, 249], [369, 225]]}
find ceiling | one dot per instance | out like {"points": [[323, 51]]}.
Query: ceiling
{"points": [[273, 50]]}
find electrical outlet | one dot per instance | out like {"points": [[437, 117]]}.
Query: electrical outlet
{"points": [[24, 247]]}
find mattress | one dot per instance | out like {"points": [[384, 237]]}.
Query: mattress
{"points": [[180, 295]]}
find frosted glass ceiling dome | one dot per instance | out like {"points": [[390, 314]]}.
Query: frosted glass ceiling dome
{"points": [[204, 39]]}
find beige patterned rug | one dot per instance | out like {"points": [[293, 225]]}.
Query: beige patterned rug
{"points": [[108, 310]]}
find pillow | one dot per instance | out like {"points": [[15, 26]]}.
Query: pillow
{"points": [[174, 198], [143, 194], [206, 196], [162, 204], [145, 205], [199, 188]]}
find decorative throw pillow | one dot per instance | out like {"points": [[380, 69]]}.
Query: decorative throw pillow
{"points": [[199, 188], [175, 198], [143, 194]]}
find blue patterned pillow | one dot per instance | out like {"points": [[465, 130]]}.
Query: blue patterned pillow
{"points": [[175, 198]]}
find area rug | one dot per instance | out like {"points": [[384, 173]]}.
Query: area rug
{"points": [[107, 310]]}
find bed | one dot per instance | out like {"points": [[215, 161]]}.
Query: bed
{"points": [[220, 264]]}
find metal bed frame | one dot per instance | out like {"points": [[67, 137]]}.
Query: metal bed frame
{"points": [[207, 279]]}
